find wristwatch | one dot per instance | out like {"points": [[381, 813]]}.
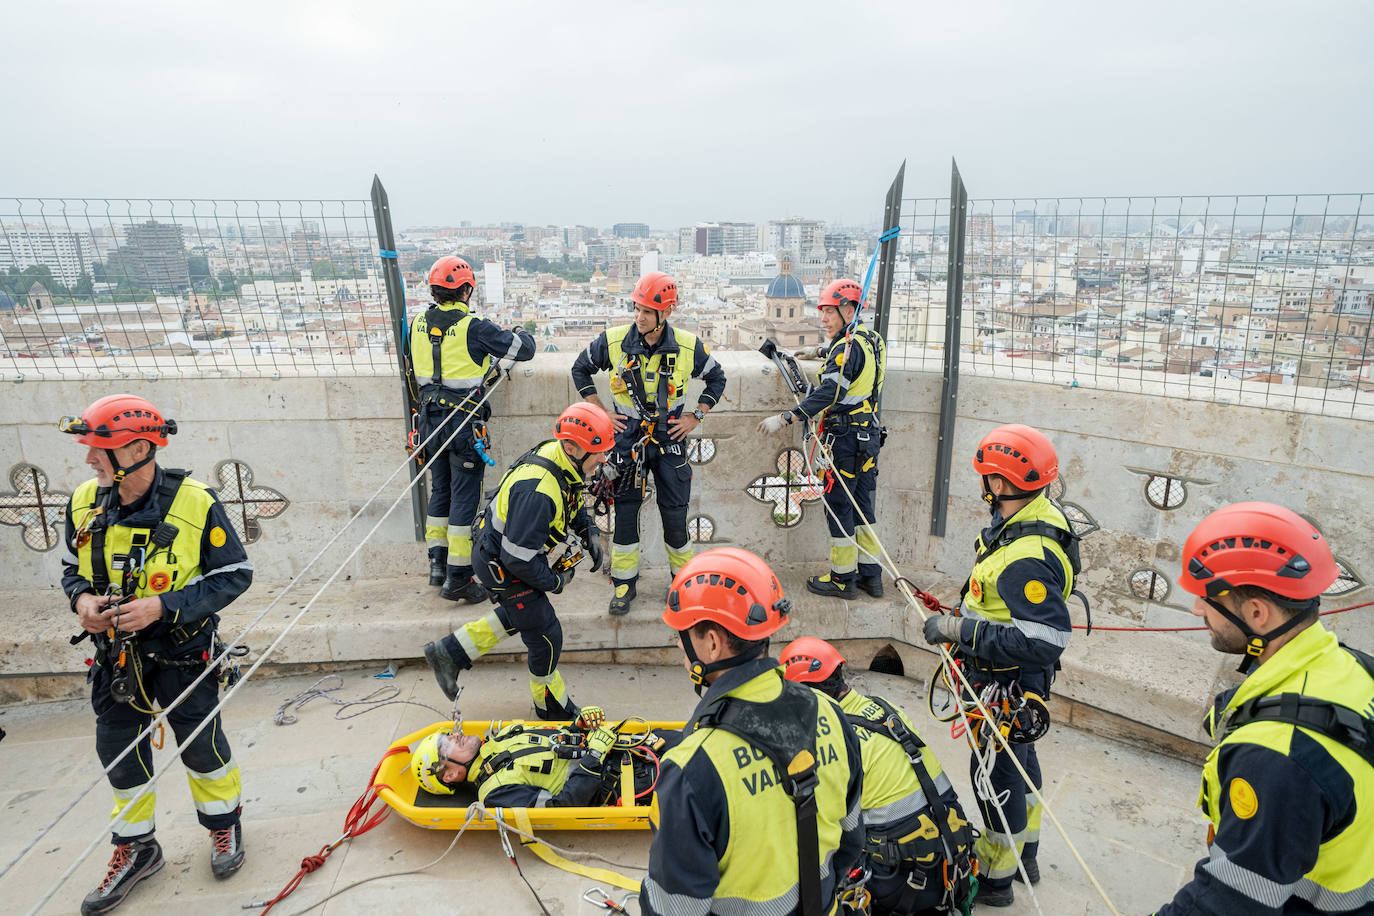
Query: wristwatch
{"points": [[699, 414]]}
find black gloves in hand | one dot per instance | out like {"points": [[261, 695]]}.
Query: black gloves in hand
{"points": [[564, 578]]}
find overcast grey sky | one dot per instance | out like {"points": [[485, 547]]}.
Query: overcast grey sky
{"points": [[669, 113]]}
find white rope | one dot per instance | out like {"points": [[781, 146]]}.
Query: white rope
{"points": [[149, 786], [948, 660]]}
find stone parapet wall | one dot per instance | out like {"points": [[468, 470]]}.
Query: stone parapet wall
{"points": [[327, 445]]}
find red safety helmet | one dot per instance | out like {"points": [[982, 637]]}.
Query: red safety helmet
{"points": [[586, 425], [1257, 544], [118, 419], [730, 587], [1023, 455], [809, 660], [452, 272], [841, 292], [655, 290]]}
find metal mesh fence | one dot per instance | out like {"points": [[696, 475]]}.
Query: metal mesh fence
{"points": [[190, 287], [1263, 300]]}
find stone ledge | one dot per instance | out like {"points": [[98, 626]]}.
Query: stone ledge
{"points": [[1158, 695]]}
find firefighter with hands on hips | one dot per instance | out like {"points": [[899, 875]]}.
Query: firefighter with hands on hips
{"points": [[650, 363], [918, 843], [1289, 786], [150, 561], [520, 766], [538, 506], [1011, 627], [757, 809], [450, 353], [851, 384]]}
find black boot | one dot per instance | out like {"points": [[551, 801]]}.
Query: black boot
{"points": [[226, 851], [438, 565], [620, 602], [130, 864], [456, 589], [872, 584], [828, 586], [994, 896], [1032, 871], [444, 667]]}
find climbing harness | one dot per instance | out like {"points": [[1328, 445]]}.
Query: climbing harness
{"points": [[157, 722], [922, 605]]}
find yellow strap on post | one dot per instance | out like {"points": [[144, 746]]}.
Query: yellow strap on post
{"points": [[600, 875]]}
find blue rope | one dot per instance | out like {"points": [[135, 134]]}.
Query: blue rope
{"points": [[887, 236]]}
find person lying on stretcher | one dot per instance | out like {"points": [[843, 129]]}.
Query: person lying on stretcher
{"points": [[537, 766]]}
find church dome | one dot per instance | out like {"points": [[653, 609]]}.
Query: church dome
{"points": [[785, 286]]}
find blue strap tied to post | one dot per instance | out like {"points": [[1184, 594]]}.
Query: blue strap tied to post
{"points": [[386, 253], [887, 236]]}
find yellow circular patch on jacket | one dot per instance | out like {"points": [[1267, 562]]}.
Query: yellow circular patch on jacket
{"points": [[1243, 799], [1035, 591], [975, 588], [217, 536]]}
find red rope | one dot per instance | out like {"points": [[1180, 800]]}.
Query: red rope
{"points": [[356, 824], [935, 607], [1076, 626]]}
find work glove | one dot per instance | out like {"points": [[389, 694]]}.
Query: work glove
{"points": [[775, 423], [809, 353], [600, 741], [591, 717], [942, 628], [593, 542], [563, 578]]}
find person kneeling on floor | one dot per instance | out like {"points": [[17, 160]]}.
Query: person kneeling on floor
{"points": [[522, 766], [918, 841]]}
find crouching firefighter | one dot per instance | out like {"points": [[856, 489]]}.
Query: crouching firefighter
{"points": [[1007, 634], [450, 353], [519, 766], [650, 365], [537, 507], [757, 809], [150, 561], [919, 844]]}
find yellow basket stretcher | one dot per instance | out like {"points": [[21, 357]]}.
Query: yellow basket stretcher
{"points": [[396, 785]]}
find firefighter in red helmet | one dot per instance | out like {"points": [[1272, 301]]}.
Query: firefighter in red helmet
{"points": [[537, 506], [151, 559], [650, 363], [1012, 625], [848, 397], [757, 809], [1288, 786], [450, 352]]}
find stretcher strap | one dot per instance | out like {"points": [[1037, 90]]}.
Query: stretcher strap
{"points": [[600, 875]]}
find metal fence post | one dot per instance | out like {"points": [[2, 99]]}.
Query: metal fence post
{"points": [[396, 300], [887, 256], [949, 391]]}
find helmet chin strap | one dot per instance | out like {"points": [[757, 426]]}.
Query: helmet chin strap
{"points": [[701, 669], [119, 472], [992, 499], [1256, 643]]}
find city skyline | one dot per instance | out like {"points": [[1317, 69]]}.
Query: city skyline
{"points": [[659, 116]]}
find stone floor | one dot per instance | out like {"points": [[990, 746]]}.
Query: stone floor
{"points": [[1129, 812]]}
